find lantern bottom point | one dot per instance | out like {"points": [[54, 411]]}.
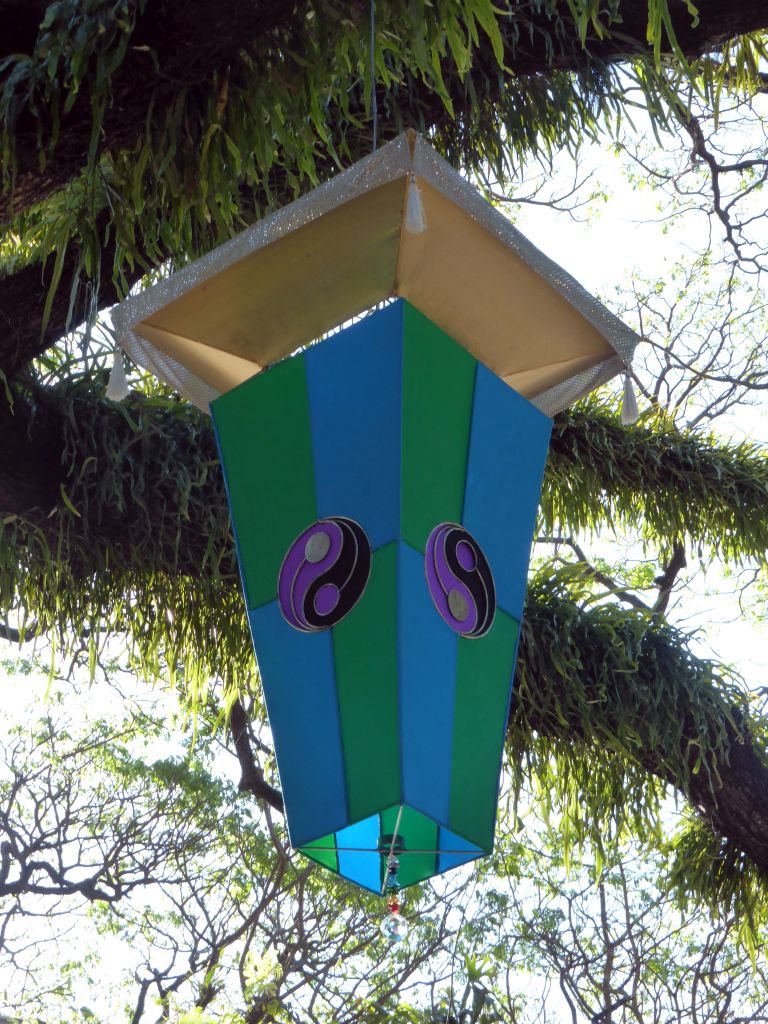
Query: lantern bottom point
{"points": [[421, 845]]}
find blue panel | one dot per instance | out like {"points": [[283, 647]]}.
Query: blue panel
{"points": [[297, 674], [354, 400], [355, 864], [450, 841], [507, 450], [427, 670]]}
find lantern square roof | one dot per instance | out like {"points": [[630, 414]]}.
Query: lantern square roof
{"points": [[347, 246]]}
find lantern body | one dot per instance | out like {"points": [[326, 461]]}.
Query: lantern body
{"points": [[383, 487]]}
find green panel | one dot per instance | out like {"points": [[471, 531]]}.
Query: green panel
{"points": [[438, 387], [319, 851], [266, 447], [483, 672], [418, 833], [365, 651]]}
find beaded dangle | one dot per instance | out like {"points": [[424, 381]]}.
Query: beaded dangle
{"points": [[393, 927]]}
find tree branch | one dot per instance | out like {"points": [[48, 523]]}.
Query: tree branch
{"points": [[700, 151], [59, 885], [666, 581], [189, 44], [251, 778]]}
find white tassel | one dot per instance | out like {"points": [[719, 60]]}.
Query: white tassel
{"points": [[415, 222], [629, 412], [117, 388]]}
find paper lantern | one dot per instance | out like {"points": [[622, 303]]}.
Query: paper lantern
{"points": [[383, 485], [383, 534]]}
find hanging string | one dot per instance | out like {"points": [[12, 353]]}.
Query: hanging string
{"points": [[374, 105], [415, 221], [391, 854]]}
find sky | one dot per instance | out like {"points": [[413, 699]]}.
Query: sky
{"points": [[612, 241]]}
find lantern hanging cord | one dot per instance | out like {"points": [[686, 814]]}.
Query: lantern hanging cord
{"points": [[374, 105], [391, 854]]}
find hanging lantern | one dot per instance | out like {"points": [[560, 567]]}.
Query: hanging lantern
{"points": [[383, 485], [384, 533]]}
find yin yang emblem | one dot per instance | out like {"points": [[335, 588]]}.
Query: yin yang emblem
{"points": [[460, 580], [324, 574]]}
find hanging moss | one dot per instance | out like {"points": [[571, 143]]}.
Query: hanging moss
{"points": [[657, 483], [140, 543], [610, 709], [621, 685], [707, 866], [204, 153]]}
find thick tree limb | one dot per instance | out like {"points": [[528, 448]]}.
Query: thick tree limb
{"points": [[680, 485], [30, 466], [188, 45], [193, 41], [741, 806], [173, 44]]}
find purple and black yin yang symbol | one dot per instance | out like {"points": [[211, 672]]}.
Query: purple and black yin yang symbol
{"points": [[324, 574], [460, 580]]}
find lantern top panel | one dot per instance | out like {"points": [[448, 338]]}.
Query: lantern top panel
{"points": [[347, 246]]}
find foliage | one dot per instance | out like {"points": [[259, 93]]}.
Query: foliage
{"points": [[192, 909], [613, 708], [658, 482], [144, 520], [218, 151]]}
